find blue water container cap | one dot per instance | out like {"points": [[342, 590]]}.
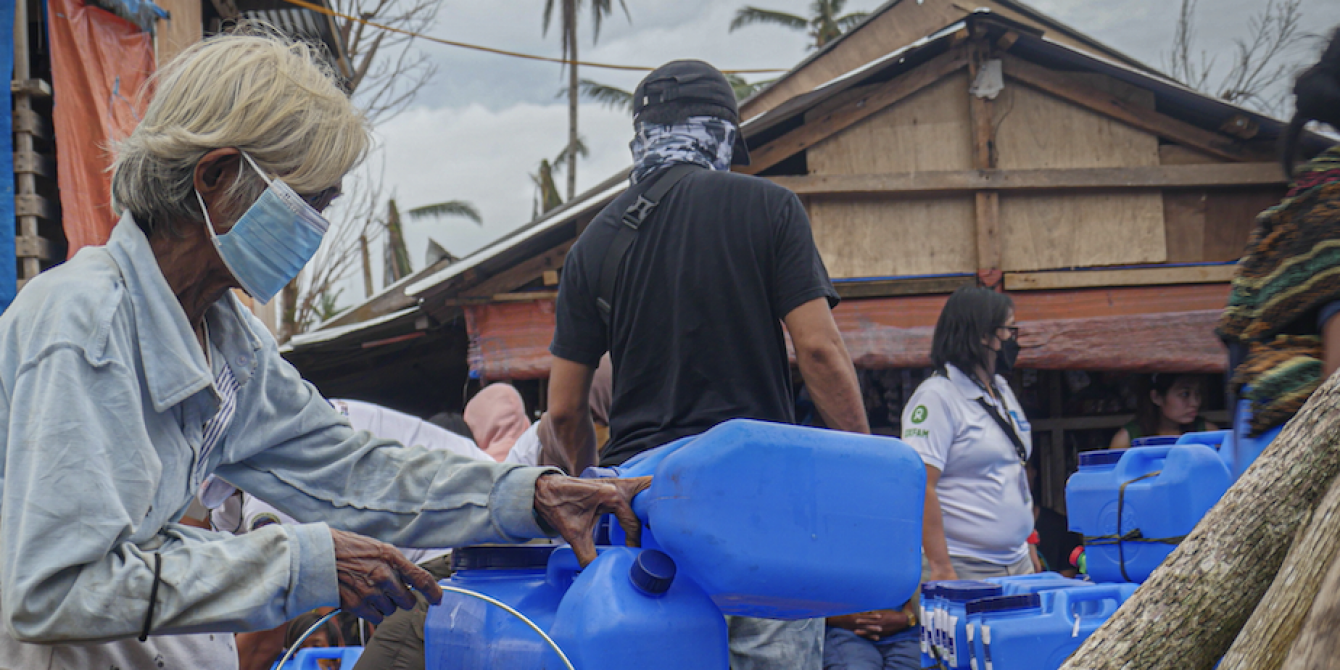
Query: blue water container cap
{"points": [[1005, 603], [1154, 441], [968, 590], [930, 589], [652, 572], [524, 557], [1094, 459]]}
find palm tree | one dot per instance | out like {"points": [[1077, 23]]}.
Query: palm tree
{"points": [[547, 196], [397, 254], [744, 89], [438, 210], [599, 10], [826, 22]]}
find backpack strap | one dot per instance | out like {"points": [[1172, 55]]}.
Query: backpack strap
{"points": [[626, 234]]}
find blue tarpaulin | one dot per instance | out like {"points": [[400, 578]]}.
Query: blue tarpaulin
{"points": [[142, 13], [8, 269]]}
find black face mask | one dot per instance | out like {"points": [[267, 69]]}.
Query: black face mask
{"points": [[1006, 357]]}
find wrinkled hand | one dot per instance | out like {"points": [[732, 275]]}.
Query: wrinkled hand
{"points": [[375, 577], [880, 624], [574, 506]]}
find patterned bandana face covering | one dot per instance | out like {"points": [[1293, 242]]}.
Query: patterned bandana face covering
{"points": [[701, 140]]}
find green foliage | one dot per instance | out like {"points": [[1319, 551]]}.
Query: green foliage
{"points": [[744, 89], [599, 10], [439, 210], [825, 24], [327, 306]]}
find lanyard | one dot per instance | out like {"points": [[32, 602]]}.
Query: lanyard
{"points": [[1008, 427]]}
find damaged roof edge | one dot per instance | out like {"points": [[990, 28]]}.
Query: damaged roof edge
{"points": [[544, 224]]}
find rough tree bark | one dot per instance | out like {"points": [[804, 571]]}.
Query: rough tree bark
{"points": [[1191, 609], [1318, 647], [1264, 642]]}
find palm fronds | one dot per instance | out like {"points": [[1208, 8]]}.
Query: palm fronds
{"points": [[439, 210], [750, 15]]}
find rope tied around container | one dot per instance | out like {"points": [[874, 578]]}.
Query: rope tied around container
{"points": [[1133, 535]]}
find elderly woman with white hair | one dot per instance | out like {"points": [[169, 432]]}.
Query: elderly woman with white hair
{"points": [[131, 373]]}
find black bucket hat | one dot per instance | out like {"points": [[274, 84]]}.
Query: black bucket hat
{"points": [[692, 81]]}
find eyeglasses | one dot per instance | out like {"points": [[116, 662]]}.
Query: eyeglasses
{"points": [[1014, 331], [320, 201]]}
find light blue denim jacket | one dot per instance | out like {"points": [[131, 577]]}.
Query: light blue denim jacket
{"points": [[104, 392]]}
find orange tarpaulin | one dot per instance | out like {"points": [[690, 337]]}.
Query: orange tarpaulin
{"points": [[99, 63], [1137, 329]]}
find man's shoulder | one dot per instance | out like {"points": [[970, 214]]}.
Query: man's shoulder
{"points": [[737, 182]]}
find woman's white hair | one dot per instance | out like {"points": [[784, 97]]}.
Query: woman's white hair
{"points": [[270, 96]]}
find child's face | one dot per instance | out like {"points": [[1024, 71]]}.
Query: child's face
{"points": [[318, 639]]}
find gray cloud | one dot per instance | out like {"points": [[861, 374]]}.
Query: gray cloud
{"points": [[485, 122]]}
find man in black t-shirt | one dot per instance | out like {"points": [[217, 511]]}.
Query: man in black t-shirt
{"points": [[694, 325]]}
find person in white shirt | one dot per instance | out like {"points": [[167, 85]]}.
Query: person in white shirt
{"points": [[973, 436], [539, 445], [242, 513]]}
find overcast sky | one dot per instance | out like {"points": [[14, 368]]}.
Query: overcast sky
{"points": [[484, 122]]}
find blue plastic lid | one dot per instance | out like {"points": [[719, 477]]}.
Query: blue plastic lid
{"points": [[522, 557], [1005, 603], [930, 589], [652, 572], [1154, 441], [963, 591], [1094, 459]]}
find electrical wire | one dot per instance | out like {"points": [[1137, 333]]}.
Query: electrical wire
{"points": [[465, 592], [301, 638], [493, 50], [554, 645]]}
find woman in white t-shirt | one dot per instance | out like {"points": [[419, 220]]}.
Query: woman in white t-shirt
{"points": [[975, 441]]}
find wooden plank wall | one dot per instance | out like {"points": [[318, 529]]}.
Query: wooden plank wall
{"points": [[1210, 224], [868, 236], [901, 234], [880, 236], [893, 27], [1058, 230]]}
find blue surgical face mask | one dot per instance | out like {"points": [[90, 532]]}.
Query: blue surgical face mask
{"points": [[274, 239]]}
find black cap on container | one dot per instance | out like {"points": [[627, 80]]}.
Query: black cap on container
{"points": [[1005, 603], [692, 81], [963, 591], [652, 572], [1094, 459], [523, 557]]}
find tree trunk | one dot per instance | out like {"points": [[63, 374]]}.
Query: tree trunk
{"points": [[367, 265], [1318, 647], [573, 93], [1193, 607], [288, 310], [398, 265], [1264, 642]]}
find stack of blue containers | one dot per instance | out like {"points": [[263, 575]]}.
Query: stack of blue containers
{"points": [[1040, 629], [1016, 623], [311, 658], [749, 518], [1133, 506]]}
